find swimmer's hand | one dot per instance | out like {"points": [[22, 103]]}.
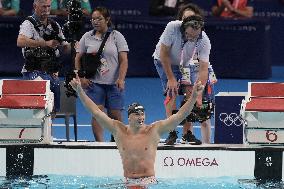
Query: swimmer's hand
{"points": [[76, 83], [197, 88]]}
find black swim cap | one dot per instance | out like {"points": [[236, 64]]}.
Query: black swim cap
{"points": [[135, 108]]}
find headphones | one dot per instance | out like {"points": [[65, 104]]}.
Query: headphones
{"points": [[194, 21]]}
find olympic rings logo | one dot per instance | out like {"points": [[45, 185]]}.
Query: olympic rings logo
{"points": [[230, 119]]}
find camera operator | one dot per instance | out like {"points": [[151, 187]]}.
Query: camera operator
{"points": [[40, 38], [181, 58]]}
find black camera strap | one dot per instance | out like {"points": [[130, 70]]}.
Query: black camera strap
{"points": [[37, 24], [103, 43]]}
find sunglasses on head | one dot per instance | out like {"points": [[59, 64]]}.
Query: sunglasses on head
{"points": [[194, 24]]}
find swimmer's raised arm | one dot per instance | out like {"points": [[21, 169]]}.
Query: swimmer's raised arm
{"points": [[174, 120], [92, 107]]}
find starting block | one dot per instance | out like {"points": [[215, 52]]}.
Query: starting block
{"points": [[25, 111], [263, 113]]}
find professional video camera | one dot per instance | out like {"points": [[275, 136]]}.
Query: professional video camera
{"points": [[72, 32], [41, 58], [72, 27], [199, 113], [53, 35]]}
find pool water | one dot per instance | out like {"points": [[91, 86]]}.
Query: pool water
{"points": [[85, 182]]}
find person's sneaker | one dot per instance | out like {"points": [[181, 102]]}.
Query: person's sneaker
{"points": [[183, 139], [190, 138], [112, 138], [171, 138]]}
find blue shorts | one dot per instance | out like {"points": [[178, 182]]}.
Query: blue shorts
{"points": [[162, 74], [209, 90], [108, 96], [54, 85], [194, 69]]}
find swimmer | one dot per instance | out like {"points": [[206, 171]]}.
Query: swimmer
{"points": [[137, 142]]}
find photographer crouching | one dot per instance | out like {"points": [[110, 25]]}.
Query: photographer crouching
{"points": [[40, 38]]}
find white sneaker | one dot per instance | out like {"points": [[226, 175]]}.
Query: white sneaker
{"points": [[183, 139]]}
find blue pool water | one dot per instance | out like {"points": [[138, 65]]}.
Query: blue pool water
{"points": [[84, 182]]}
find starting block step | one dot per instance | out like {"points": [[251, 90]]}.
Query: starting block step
{"points": [[265, 105], [267, 89], [23, 102], [24, 87]]}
